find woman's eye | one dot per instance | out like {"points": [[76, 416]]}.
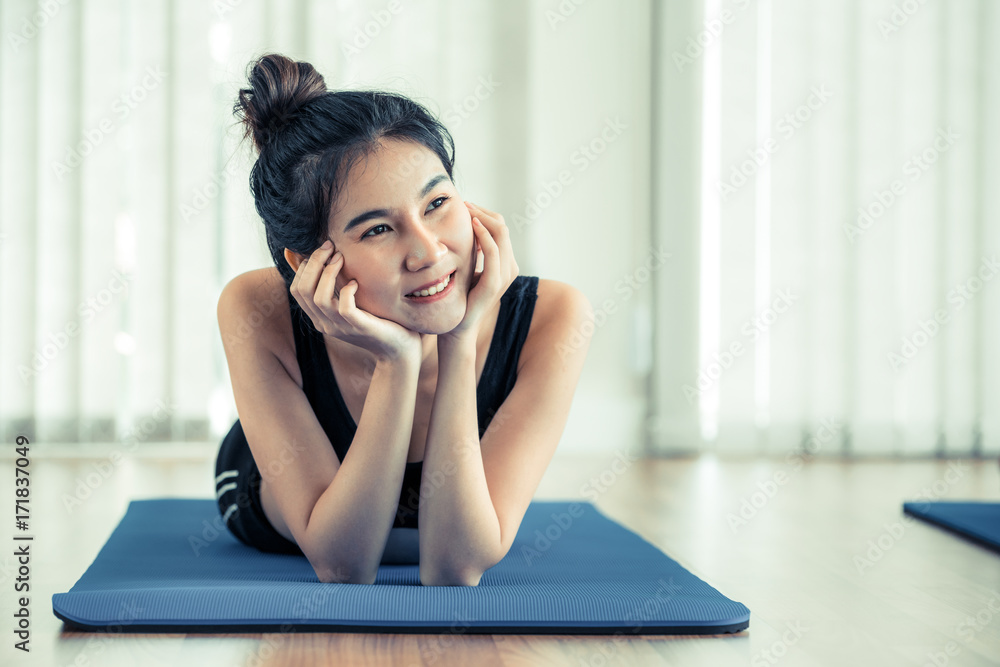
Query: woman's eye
{"points": [[369, 232], [441, 199]]}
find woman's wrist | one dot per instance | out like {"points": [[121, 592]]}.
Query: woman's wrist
{"points": [[462, 343], [399, 361], [459, 336]]}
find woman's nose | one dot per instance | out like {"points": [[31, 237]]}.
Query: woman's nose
{"points": [[425, 249]]}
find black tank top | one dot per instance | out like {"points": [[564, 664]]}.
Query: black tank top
{"points": [[499, 374]]}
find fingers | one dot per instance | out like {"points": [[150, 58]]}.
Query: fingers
{"points": [[491, 253], [476, 208], [491, 232], [493, 238], [494, 222], [300, 287], [310, 268], [487, 244], [326, 291], [346, 304], [309, 287]]}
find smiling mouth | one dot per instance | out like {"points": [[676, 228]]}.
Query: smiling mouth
{"points": [[435, 289]]}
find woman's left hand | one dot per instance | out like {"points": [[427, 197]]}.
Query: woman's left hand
{"points": [[499, 269]]}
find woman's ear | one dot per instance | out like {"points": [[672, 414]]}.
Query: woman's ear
{"points": [[293, 259]]}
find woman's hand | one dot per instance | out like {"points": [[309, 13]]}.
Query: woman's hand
{"points": [[499, 270], [336, 314]]}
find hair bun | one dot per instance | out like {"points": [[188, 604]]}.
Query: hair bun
{"points": [[279, 86]]}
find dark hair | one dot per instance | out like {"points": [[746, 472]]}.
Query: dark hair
{"points": [[308, 138]]}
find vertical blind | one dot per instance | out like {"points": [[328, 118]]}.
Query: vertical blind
{"points": [[124, 203], [847, 243], [819, 173]]}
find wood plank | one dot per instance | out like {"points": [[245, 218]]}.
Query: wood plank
{"points": [[793, 563]]}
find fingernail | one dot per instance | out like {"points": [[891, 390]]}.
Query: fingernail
{"points": [[327, 244]]}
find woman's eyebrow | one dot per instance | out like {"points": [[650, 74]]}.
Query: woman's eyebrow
{"points": [[437, 178], [384, 212]]}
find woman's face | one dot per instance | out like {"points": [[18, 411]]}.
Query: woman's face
{"points": [[401, 225]]}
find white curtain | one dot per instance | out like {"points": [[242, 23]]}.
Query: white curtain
{"points": [[841, 292], [125, 207], [764, 316]]}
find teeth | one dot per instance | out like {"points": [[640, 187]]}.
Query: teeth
{"points": [[433, 289]]}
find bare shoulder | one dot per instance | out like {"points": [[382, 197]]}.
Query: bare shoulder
{"points": [[558, 298], [560, 317], [253, 313]]}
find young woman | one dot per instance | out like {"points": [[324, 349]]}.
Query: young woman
{"points": [[397, 403]]}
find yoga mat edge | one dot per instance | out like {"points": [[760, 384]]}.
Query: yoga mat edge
{"points": [[593, 577]]}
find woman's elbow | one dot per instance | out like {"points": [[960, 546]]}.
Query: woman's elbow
{"points": [[342, 575], [438, 577]]}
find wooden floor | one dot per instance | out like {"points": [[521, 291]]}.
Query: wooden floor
{"points": [[808, 565]]}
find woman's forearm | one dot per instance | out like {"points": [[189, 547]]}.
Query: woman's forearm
{"points": [[459, 530], [351, 521]]}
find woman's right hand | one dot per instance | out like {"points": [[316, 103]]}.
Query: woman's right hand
{"points": [[336, 314]]}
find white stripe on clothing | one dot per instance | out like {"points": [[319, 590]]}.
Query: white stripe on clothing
{"points": [[223, 489], [227, 473]]}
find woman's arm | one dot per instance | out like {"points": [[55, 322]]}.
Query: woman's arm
{"points": [[468, 523], [338, 513], [458, 525], [350, 522], [352, 519]]}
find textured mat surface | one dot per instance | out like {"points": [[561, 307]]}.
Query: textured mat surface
{"points": [[978, 521], [170, 566]]}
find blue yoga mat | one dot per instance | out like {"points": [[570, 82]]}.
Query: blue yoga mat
{"points": [[979, 522], [170, 566]]}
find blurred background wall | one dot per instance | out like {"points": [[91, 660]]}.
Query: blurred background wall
{"points": [[783, 211]]}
